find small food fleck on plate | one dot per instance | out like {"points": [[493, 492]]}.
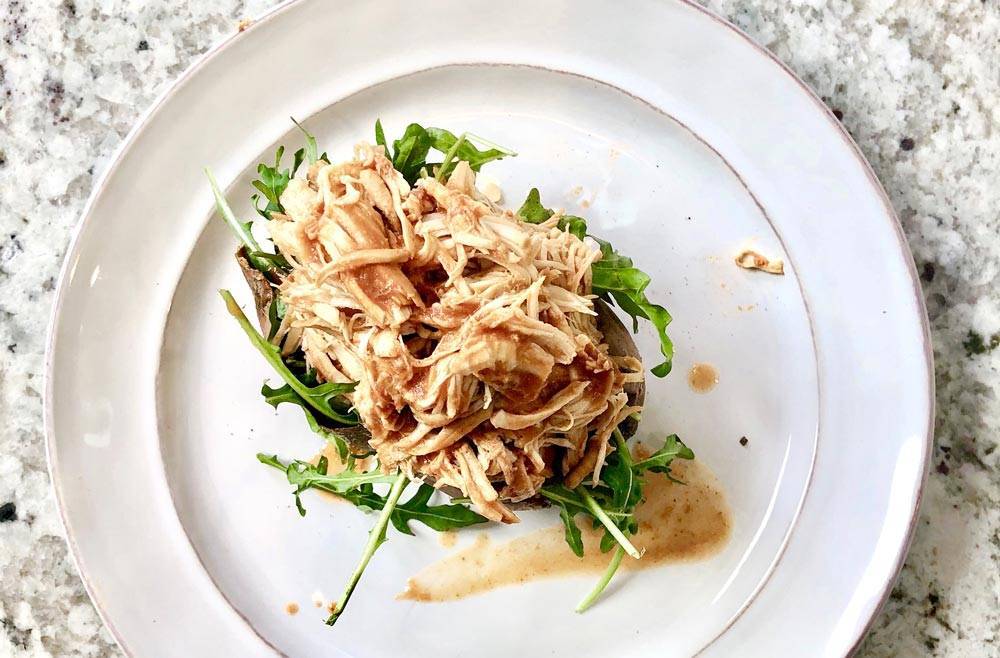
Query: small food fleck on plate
{"points": [[292, 608], [744, 441], [244, 24], [702, 377], [751, 260]]}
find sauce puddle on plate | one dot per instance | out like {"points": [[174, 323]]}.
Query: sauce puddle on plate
{"points": [[677, 523], [702, 377]]}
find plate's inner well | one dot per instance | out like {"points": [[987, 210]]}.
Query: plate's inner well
{"points": [[661, 196]]}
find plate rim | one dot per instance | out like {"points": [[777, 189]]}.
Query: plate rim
{"points": [[128, 142]]}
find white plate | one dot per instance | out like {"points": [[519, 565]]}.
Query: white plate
{"points": [[688, 142]]}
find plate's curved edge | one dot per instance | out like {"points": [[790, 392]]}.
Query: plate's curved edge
{"points": [[918, 299], [66, 271]]}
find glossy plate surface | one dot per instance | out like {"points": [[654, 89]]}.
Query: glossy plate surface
{"points": [[682, 143]]}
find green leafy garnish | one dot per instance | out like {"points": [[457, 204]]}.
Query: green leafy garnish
{"points": [[376, 537], [409, 152], [303, 476], [321, 397], [659, 461], [446, 516], [311, 149], [532, 210], [272, 182], [612, 503], [615, 278], [260, 260], [276, 396], [462, 149], [358, 489]]}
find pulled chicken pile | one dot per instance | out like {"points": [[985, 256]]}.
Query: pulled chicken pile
{"points": [[471, 333]]}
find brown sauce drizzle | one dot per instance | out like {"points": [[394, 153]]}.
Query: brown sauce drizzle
{"points": [[677, 523]]}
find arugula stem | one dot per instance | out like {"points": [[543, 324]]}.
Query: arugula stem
{"points": [[492, 145], [448, 157], [599, 588], [241, 230], [622, 447], [376, 537], [602, 516], [270, 353]]}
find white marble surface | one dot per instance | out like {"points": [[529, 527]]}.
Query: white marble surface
{"points": [[917, 83]]}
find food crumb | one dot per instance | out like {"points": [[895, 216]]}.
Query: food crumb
{"points": [[576, 191], [585, 203], [744, 441], [702, 377], [332, 607], [244, 24], [292, 608], [447, 538], [751, 260], [746, 307], [489, 188], [318, 599]]}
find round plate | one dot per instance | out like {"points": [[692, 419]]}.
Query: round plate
{"points": [[682, 142]]}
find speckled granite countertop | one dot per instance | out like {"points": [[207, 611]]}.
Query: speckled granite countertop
{"points": [[916, 82]]}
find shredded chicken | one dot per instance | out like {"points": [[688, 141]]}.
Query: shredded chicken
{"points": [[471, 334]]}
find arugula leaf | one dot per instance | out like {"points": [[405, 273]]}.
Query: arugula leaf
{"points": [[575, 225], [304, 476], [461, 148], [309, 476], [376, 537], [272, 181], [311, 150], [321, 397], [260, 260], [573, 536], [410, 151], [356, 488], [659, 461], [276, 396], [443, 517], [532, 210], [614, 277]]}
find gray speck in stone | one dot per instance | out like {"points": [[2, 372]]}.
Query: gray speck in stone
{"points": [[143, 45], [8, 513], [18, 637]]}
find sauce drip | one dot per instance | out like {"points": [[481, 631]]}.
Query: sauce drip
{"points": [[676, 523], [702, 377]]}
